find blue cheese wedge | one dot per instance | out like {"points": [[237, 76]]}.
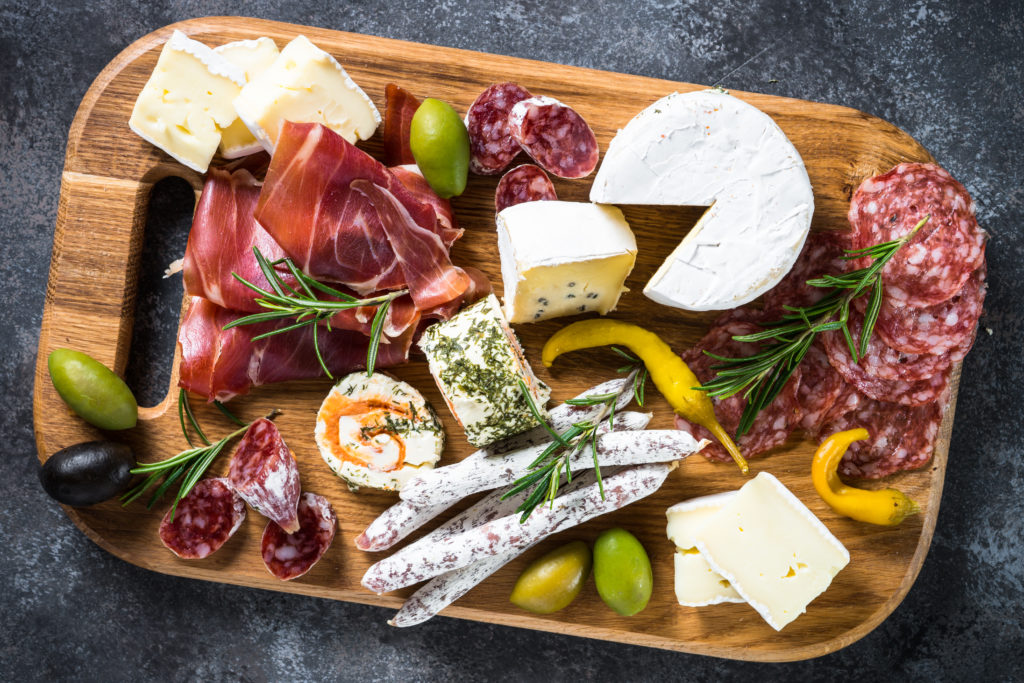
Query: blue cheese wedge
{"points": [[478, 365], [563, 258], [377, 431], [305, 85], [187, 101], [708, 148], [696, 583], [772, 549], [253, 57]]}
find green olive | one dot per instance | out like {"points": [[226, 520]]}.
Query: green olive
{"points": [[622, 571], [440, 145], [554, 580], [91, 390]]}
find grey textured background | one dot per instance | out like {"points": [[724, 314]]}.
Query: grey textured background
{"points": [[950, 73]]}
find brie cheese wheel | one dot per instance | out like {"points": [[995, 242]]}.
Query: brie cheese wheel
{"points": [[708, 148], [253, 57], [187, 101], [563, 258], [305, 85], [772, 549], [696, 583], [377, 431]]}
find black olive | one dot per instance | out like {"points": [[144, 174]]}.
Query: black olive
{"points": [[87, 473]]}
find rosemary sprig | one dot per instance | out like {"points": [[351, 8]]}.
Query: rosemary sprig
{"points": [[763, 375], [305, 308]]}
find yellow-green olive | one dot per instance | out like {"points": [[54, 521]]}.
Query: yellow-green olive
{"points": [[440, 145], [622, 571], [92, 390], [554, 580]]}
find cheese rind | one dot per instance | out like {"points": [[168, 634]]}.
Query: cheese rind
{"points": [[253, 57], [187, 101], [772, 549], [563, 258], [305, 85], [707, 148], [696, 583]]}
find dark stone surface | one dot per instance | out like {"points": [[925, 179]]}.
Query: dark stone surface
{"points": [[949, 73]]}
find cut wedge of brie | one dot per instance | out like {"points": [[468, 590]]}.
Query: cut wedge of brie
{"points": [[708, 148], [253, 57], [697, 584]]}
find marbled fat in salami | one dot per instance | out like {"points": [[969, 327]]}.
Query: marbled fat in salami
{"points": [[937, 261], [525, 183], [289, 556], [491, 146], [822, 255], [820, 386], [265, 474], [203, 521], [555, 136], [884, 362]]}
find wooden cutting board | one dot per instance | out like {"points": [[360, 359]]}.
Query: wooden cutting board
{"points": [[90, 306]]}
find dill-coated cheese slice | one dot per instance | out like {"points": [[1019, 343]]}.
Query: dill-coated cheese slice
{"points": [[253, 57], [697, 584], [772, 549], [187, 101], [305, 85], [563, 258], [478, 365]]}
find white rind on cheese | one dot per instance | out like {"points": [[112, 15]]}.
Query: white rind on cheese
{"points": [[696, 583], [306, 85], [187, 101], [253, 57], [563, 258], [708, 148], [772, 549]]}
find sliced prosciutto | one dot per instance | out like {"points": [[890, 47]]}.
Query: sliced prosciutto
{"points": [[399, 107], [415, 182]]}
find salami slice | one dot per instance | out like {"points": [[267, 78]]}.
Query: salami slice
{"points": [[900, 437], [399, 107], [289, 556], [265, 474], [847, 401], [820, 386], [884, 362], [822, 255], [203, 521], [772, 426], [525, 183], [554, 136], [937, 261], [491, 146]]}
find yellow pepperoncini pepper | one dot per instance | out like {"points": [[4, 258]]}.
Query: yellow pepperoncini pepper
{"points": [[887, 507], [671, 375]]}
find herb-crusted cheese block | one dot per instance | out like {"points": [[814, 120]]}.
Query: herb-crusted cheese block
{"points": [[708, 148], [697, 584], [253, 57], [477, 363], [563, 258]]}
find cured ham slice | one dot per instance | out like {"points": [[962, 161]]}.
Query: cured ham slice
{"points": [[399, 107], [414, 182]]}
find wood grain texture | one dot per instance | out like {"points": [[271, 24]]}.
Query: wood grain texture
{"points": [[90, 305]]}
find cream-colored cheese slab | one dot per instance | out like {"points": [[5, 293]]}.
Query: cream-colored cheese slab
{"points": [[305, 85], [563, 258], [772, 549], [187, 101], [696, 583], [253, 57]]}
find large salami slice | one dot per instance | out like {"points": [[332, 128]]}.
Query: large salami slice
{"points": [[772, 425], [820, 386], [822, 255], [554, 136], [525, 183], [289, 556], [265, 474], [884, 362], [203, 521], [937, 261], [491, 146]]}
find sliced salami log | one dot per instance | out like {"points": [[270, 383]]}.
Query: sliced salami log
{"points": [[525, 183], [937, 261], [847, 401], [491, 146], [203, 521], [820, 386], [884, 362], [399, 107], [554, 136], [901, 437], [289, 556], [265, 474], [822, 255], [772, 426]]}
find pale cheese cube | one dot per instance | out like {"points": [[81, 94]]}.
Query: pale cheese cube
{"points": [[187, 101], [305, 85], [563, 258], [253, 57], [696, 583]]}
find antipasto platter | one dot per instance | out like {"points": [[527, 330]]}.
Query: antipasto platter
{"points": [[90, 305]]}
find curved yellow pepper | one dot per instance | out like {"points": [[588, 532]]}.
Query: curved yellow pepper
{"points": [[671, 375], [887, 507]]}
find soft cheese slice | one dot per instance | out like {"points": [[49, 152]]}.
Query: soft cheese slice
{"points": [[305, 85], [708, 148], [772, 549], [253, 57], [477, 363], [697, 584], [187, 101], [563, 258]]}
